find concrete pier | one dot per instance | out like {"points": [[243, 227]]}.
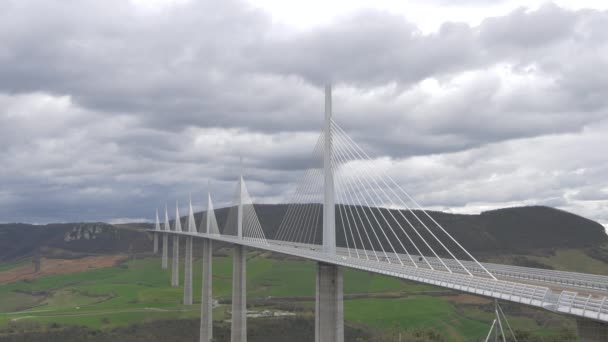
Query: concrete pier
{"points": [[175, 263], [157, 229], [239, 295], [155, 243], [329, 309], [206, 333], [591, 331], [165, 251], [188, 273], [37, 260]]}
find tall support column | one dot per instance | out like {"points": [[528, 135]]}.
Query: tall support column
{"points": [[155, 243], [239, 295], [157, 229], [165, 256], [207, 300], [188, 273], [190, 228], [37, 261], [239, 275], [175, 262], [329, 221], [206, 333], [329, 309], [165, 252], [175, 268], [239, 220]]}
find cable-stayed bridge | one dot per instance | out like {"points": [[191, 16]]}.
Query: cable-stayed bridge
{"points": [[347, 211]]}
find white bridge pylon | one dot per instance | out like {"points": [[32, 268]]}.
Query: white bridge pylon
{"points": [[242, 220], [375, 218], [209, 220], [348, 211]]}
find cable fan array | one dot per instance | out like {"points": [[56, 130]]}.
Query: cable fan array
{"points": [[303, 219], [251, 227], [376, 219], [209, 220]]}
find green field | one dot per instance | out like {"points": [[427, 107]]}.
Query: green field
{"points": [[574, 260], [415, 312], [11, 266], [139, 291]]}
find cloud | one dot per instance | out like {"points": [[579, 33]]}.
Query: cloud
{"points": [[371, 48], [560, 171], [109, 110], [527, 29], [123, 220]]}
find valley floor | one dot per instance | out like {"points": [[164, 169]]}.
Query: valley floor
{"points": [[131, 297]]}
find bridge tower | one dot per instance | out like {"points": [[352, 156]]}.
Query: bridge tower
{"points": [[165, 241], [329, 308], [329, 207], [175, 261], [239, 275], [206, 330], [191, 228], [37, 260], [157, 229]]}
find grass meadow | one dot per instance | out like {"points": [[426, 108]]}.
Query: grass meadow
{"points": [[139, 291]]}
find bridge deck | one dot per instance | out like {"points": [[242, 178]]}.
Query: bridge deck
{"points": [[548, 289]]}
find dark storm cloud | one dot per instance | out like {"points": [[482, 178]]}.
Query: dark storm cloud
{"points": [[175, 69], [106, 110], [373, 48], [186, 67]]}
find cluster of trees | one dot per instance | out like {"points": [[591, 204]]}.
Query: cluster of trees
{"points": [[293, 329]]}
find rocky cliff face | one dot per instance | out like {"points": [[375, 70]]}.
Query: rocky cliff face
{"points": [[513, 230], [69, 239], [86, 231]]}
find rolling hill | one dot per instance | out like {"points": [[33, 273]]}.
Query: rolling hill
{"points": [[95, 285], [521, 230]]}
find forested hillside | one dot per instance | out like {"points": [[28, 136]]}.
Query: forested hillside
{"points": [[506, 231]]}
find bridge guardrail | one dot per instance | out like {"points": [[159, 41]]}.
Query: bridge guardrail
{"points": [[523, 293], [571, 279], [539, 296], [586, 306], [591, 281]]}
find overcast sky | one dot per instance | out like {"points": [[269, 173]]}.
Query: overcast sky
{"points": [[109, 109]]}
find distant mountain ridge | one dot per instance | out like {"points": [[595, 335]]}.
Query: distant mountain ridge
{"points": [[19, 240], [508, 230], [523, 228], [502, 231]]}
